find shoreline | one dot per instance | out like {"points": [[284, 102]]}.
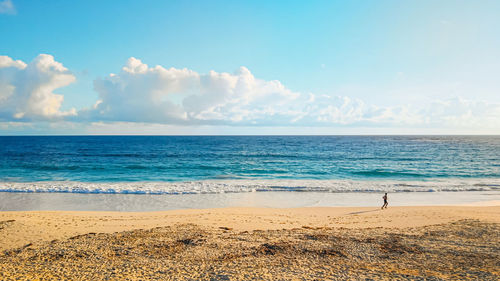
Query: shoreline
{"points": [[10, 201]]}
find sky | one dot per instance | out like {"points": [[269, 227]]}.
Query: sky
{"points": [[249, 67]]}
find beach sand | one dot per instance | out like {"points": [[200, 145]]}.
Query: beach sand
{"points": [[433, 242]]}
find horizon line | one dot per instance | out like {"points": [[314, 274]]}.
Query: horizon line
{"points": [[243, 135]]}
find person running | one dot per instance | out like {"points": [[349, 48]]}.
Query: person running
{"points": [[385, 201]]}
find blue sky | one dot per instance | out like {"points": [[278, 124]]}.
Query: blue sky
{"points": [[250, 67]]}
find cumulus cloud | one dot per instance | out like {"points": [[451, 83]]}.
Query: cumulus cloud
{"points": [[156, 94], [26, 90], [7, 7], [142, 94]]}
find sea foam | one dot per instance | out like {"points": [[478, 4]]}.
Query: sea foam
{"points": [[239, 186]]}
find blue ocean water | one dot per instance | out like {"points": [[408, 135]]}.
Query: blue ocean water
{"points": [[108, 163]]}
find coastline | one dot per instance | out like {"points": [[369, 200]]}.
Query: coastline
{"points": [[61, 201]]}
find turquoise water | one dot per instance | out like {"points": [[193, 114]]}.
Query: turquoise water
{"points": [[206, 164]]}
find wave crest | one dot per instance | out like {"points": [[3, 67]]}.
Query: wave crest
{"points": [[240, 185]]}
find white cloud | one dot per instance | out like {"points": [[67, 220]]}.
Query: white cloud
{"points": [[462, 113], [7, 7], [140, 94], [26, 90], [156, 94]]}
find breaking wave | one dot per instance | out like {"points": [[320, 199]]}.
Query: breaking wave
{"points": [[244, 185]]}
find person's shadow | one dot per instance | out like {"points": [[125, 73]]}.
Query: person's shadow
{"points": [[360, 212]]}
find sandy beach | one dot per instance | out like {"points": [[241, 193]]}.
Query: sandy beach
{"points": [[436, 242]]}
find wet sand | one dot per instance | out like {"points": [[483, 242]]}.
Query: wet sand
{"points": [[435, 242]]}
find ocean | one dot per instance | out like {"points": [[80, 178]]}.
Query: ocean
{"points": [[240, 164]]}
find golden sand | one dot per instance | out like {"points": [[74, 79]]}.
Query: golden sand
{"points": [[452, 242]]}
